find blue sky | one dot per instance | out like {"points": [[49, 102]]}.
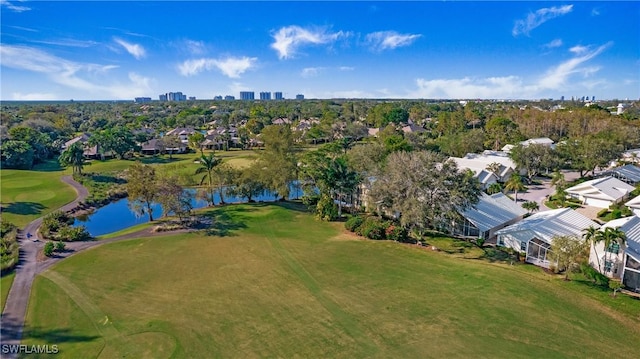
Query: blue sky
{"points": [[86, 50]]}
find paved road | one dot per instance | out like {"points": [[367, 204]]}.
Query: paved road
{"points": [[16, 306]]}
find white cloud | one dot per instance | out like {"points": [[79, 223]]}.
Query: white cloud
{"points": [[136, 50], [13, 7], [34, 96], [346, 68], [288, 39], [389, 40], [311, 71], [85, 77], [595, 11], [557, 76], [231, 67], [579, 49], [538, 18], [553, 44]]}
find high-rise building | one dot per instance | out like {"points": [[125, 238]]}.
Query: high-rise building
{"points": [[278, 95], [247, 95], [561, 98], [265, 95], [299, 97], [142, 99], [163, 97], [218, 97], [229, 98]]}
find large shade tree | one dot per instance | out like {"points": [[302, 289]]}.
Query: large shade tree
{"points": [[426, 190], [142, 189]]}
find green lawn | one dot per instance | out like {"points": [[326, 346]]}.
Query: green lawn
{"points": [[5, 285], [27, 195], [268, 280]]}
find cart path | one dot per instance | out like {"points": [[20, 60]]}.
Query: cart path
{"points": [[15, 309]]}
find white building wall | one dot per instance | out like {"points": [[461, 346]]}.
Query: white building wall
{"points": [[599, 203], [617, 259]]}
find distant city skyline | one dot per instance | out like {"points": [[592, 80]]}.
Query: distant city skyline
{"points": [[120, 50]]}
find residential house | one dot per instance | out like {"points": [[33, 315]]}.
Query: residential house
{"points": [[600, 192], [151, 147], [627, 173], [413, 128], [490, 214], [532, 141], [182, 132], [481, 165], [533, 235], [634, 205], [620, 262], [90, 152]]}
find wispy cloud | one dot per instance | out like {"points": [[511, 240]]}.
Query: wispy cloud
{"points": [[595, 11], [288, 39], [553, 44], [311, 71], [67, 42], [533, 20], [194, 47], [346, 68], [136, 50], [13, 7], [86, 77], [23, 28], [231, 67], [555, 78], [389, 40]]}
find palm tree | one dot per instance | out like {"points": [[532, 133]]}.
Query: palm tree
{"points": [[515, 184], [591, 238], [340, 179], [531, 206], [609, 237], [207, 166], [73, 156], [494, 188]]}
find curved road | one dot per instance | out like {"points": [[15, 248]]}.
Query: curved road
{"points": [[15, 308]]}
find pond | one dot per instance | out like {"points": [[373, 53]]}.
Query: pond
{"points": [[117, 215]]}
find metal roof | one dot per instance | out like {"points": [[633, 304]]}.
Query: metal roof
{"points": [[631, 228], [607, 188], [629, 173], [493, 211], [549, 224]]}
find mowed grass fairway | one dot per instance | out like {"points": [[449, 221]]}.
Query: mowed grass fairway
{"points": [[27, 195], [269, 280]]}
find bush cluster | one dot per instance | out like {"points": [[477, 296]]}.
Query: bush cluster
{"points": [[58, 225], [9, 246], [376, 228]]}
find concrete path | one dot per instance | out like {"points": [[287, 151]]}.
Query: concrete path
{"points": [[15, 309]]}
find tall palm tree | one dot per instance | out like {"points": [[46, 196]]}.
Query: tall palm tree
{"points": [[609, 237], [591, 238], [74, 157], [515, 184], [340, 179], [207, 166]]}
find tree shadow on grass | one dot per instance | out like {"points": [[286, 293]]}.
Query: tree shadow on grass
{"points": [[23, 208], [225, 221], [11, 330], [49, 166], [292, 205]]}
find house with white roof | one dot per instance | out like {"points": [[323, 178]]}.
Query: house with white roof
{"points": [[480, 165], [545, 141], [627, 173], [489, 215], [620, 262], [533, 235], [634, 205], [600, 192]]}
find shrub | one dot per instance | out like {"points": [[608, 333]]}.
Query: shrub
{"points": [[373, 228], [48, 249], [60, 246], [396, 233], [616, 213], [353, 223], [72, 234], [603, 212], [326, 210]]}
